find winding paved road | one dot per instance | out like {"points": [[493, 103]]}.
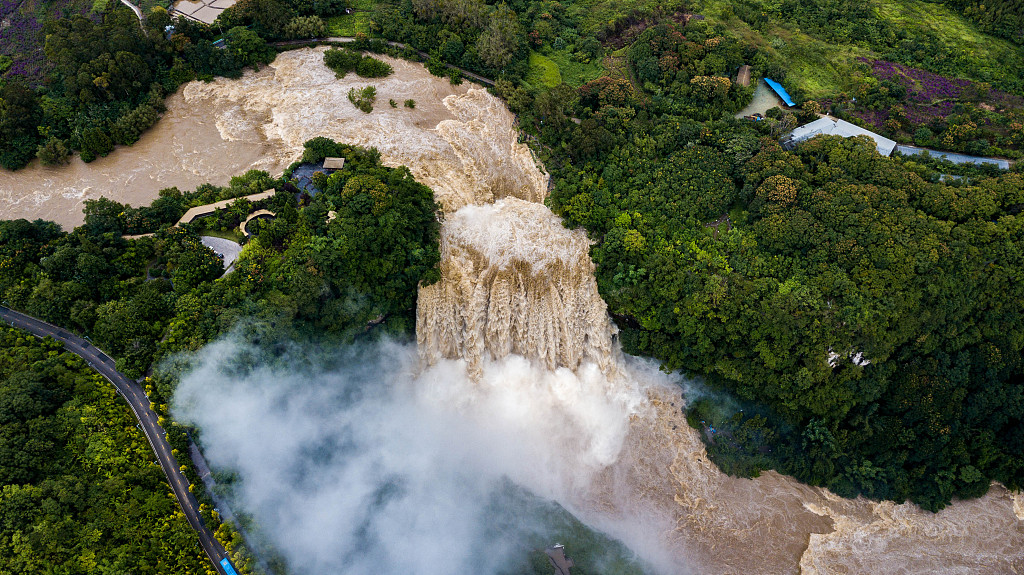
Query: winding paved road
{"points": [[133, 393], [138, 12]]}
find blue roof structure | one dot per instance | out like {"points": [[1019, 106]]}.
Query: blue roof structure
{"points": [[780, 91]]}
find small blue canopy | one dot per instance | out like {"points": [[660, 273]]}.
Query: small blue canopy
{"points": [[780, 91]]}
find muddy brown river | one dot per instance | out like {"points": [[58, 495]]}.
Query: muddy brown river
{"points": [[184, 149], [213, 131], [654, 486]]}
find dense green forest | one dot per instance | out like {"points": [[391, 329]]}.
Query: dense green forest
{"points": [[342, 264], [866, 318], [105, 82], [80, 492], [87, 81], [863, 312]]}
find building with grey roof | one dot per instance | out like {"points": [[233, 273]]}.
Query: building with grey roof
{"points": [[834, 126]]}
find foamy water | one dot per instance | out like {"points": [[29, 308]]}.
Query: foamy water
{"points": [[518, 292]]}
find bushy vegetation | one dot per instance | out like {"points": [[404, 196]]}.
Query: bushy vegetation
{"points": [[306, 27], [343, 61], [1004, 18], [819, 289], [363, 98], [473, 35], [79, 492], [824, 289], [276, 19], [342, 265]]}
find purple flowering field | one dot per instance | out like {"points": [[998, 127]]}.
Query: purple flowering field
{"points": [[922, 86], [928, 95], [21, 26]]}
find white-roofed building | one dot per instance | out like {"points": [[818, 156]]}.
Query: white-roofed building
{"points": [[836, 127]]}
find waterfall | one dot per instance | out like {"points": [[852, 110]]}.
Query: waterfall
{"points": [[517, 309], [514, 281]]}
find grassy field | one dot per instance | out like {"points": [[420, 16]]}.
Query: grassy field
{"points": [[543, 72], [349, 24], [574, 73]]}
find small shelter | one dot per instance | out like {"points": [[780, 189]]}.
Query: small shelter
{"points": [[836, 127], [778, 89], [559, 561], [743, 76], [334, 163]]}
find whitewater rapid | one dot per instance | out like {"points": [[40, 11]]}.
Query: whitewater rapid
{"points": [[518, 293]]}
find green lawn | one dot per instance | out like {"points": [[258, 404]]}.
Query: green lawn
{"points": [[574, 73], [233, 235], [349, 24], [543, 71]]}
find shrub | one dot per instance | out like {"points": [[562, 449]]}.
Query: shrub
{"points": [[95, 142], [436, 67], [373, 68], [127, 129], [410, 103], [17, 152], [393, 103], [53, 152], [364, 98], [455, 76], [342, 61]]}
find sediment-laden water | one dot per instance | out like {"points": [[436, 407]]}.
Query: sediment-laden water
{"points": [[514, 281], [518, 290]]}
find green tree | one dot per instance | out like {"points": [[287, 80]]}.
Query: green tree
{"points": [[53, 152], [503, 38]]}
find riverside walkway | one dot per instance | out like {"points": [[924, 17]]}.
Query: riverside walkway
{"points": [[138, 401], [348, 40], [208, 209]]}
